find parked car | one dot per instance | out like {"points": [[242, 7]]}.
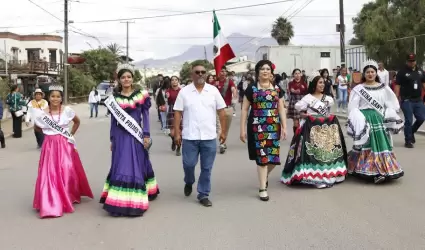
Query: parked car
{"points": [[101, 88]]}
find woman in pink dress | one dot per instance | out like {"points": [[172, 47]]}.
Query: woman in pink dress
{"points": [[61, 179]]}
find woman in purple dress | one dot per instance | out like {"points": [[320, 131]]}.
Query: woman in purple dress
{"points": [[131, 182]]}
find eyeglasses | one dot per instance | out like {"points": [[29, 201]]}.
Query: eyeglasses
{"points": [[200, 72]]}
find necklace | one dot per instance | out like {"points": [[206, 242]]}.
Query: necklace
{"points": [[50, 112]]}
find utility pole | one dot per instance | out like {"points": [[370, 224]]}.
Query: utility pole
{"points": [[128, 42], [65, 63], [205, 53], [342, 31], [5, 56]]}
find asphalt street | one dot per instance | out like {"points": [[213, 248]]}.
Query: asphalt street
{"points": [[351, 215]]}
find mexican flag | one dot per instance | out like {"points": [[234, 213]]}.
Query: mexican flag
{"points": [[222, 50]]}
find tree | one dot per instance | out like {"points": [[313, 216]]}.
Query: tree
{"points": [[101, 63], [384, 20], [115, 49], [137, 76], [187, 68], [80, 84], [282, 31]]}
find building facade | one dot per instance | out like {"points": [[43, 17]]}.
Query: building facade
{"points": [[22, 49]]}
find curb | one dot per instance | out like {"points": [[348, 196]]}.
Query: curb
{"points": [[343, 117]]}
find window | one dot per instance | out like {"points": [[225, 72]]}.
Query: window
{"points": [[325, 54]]}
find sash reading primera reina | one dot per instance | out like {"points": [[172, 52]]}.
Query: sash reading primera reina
{"points": [[127, 122]]}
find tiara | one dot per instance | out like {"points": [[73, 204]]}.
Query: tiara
{"points": [[370, 63], [125, 66], [56, 88], [313, 75]]}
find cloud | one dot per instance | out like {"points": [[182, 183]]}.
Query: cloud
{"points": [[169, 36]]}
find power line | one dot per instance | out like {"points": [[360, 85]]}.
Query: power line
{"points": [[48, 12], [186, 13]]}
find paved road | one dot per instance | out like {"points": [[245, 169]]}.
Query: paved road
{"points": [[352, 215]]}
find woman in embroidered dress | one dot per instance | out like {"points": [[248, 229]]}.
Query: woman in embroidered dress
{"points": [[16, 101], [38, 103], [317, 155], [61, 179], [171, 95], [297, 90], [266, 123], [372, 156], [131, 182]]}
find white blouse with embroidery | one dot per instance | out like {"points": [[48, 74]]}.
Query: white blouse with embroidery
{"points": [[63, 119], [310, 101], [380, 92]]}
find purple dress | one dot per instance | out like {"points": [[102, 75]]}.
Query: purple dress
{"points": [[131, 182]]}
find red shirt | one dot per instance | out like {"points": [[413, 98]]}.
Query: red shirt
{"points": [[301, 86], [228, 95], [172, 95]]}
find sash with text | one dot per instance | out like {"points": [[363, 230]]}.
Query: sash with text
{"points": [[364, 94]]}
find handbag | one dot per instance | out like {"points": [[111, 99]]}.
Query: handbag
{"points": [[18, 113]]}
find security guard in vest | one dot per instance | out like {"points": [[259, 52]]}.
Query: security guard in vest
{"points": [[409, 83]]}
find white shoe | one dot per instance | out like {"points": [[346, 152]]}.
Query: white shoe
{"points": [[337, 110]]}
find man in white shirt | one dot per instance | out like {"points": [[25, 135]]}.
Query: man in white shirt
{"points": [[198, 103], [383, 74]]}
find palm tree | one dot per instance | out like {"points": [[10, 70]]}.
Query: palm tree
{"points": [[282, 31], [115, 49]]}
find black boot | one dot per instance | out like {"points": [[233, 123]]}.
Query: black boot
{"points": [[2, 140], [294, 129], [178, 152]]}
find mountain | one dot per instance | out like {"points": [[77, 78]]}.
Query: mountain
{"points": [[241, 44]]}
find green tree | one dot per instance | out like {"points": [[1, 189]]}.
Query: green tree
{"points": [[187, 68], [79, 83], [137, 76], [282, 31], [115, 49], [384, 20], [101, 63]]}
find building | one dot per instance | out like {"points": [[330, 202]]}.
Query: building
{"points": [[26, 48], [30, 56], [308, 58]]}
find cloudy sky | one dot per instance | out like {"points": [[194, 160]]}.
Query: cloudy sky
{"points": [[167, 36]]}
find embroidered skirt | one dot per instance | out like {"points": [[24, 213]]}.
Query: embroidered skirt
{"points": [[317, 154], [374, 156]]}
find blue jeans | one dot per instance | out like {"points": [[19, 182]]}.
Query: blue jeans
{"points": [[191, 149], [163, 116], [95, 107], [342, 95], [411, 109]]}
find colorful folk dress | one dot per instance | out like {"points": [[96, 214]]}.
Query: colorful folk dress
{"points": [[264, 126], [317, 155], [300, 86], [372, 117], [131, 182]]}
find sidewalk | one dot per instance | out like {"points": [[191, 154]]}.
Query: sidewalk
{"points": [[6, 124], [344, 116]]}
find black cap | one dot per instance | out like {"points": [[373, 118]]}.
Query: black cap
{"points": [[411, 57]]}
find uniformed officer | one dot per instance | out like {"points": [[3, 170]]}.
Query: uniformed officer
{"points": [[409, 83]]}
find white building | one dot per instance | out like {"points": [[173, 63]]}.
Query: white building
{"points": [[308, 58], [21, 49]]}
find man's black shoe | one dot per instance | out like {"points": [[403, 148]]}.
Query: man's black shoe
{"points": [[413, 139], [205, 202], [187, 190], [409, 145]]}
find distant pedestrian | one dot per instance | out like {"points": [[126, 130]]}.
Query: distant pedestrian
{"points": [[199, 103], [37, 104], [409, 83], [16, 101], [2, 140], [94, 100]]}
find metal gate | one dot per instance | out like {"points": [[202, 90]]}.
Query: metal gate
{"points": [[355, 56]]}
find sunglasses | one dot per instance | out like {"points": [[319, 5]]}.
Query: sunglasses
{"points": [[200, 72]]}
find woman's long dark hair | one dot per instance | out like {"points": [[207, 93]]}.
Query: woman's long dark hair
{"points": [[322, 72], [120, 73], [295, 70], [260, 64], [160, 99], [377, 79], [313, 85]]}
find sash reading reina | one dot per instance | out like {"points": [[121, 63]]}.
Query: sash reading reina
{"points": [[124, 119], [369, 99], [53, 125]]}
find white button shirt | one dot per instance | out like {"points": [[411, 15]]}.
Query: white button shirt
{"points": [[199, 111]]}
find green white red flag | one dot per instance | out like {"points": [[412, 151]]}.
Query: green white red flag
{"points": [[222, 50]]}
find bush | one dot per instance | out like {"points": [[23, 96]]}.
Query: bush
{"points": [[79, 84], [4, 89]]}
